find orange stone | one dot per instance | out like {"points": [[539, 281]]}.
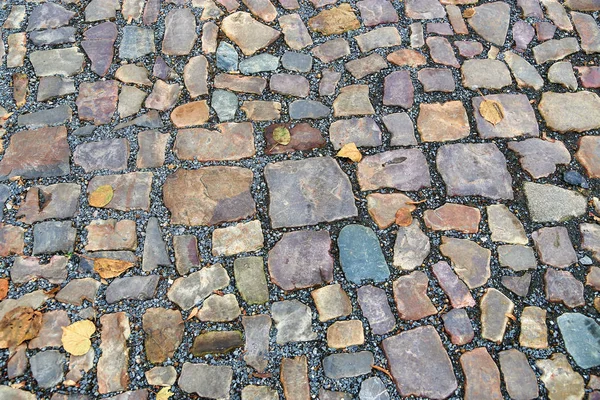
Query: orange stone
{"points": [[453, 217], [190, 114], [407, 57], [442, 122]]}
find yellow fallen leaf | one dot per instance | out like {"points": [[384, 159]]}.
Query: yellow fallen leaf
{"points": [[108, 268], [350, 151], [492, 111], [19, 325], [282, 136], [101, 196], [164, 393], [76, 337], [404, 216], [469, 13]]}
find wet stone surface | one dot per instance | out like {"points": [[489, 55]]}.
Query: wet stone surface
{"points": [[264, 199]]}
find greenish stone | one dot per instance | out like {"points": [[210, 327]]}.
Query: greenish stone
{"points": [[250, 279], [582, 338], [259, 63], [217, 342], [361, 256]]}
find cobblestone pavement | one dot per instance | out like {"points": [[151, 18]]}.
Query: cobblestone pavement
{"points": [[299, 199]]}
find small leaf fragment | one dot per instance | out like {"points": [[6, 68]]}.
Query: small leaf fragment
{"points": [[108, 268], [164, 393], [282, 136], [101, 196], [350, 151], [469, 13], [404, 216], [19, 325], [492, 111], [76, 337]]}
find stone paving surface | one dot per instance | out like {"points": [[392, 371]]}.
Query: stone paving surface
{"points": [[299, 199]]}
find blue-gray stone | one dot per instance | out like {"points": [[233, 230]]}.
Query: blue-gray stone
{"points": [[582, 338], [575, 178], [136, 42], [83, 131], [585, 260], [53, 237], [361, 256], [51, 37], [348, 365], [259, 63], [227, 57], [47, 368], [310, 109], [373, 389], [225, 104], [49, 117], [298, 62], [132, 288], [4, 195]]}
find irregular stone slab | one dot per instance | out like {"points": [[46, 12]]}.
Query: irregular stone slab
{"points": [[240, 84], [216, 342], [210, 381], [294, 378], [239, 238], [589, 76], [250, 279], [190, 290], [516, 257], [328, 82], [298, 62], [259, 63], [13, 240], [308, 109], [293, 321], [225, 104], [290, 85], [458, 325], [520, 380], [294, 31], [342, 334], [98, 10], [227, 57], [376, 12], [46, 16], [485, 74], [554, 246], [401, 128], [110, 154], [208, 145], [557, 14], [164, 96], [491, 21], [534, 333], [52, 37], [47, 368], [411, 247], [353, 100], [560, 380], [217, 308], [334, 21], [540, 157], [525, 74], [50, 333], [26, 269], [588, 31], [522, 33], [398, 89], [209, 195], [519, 117], [375, 307], [164, 329], [78, 290], [301, 259], [131, 191], [568, 112], [419, 363], [424, 9], [130, 101], [360, 131], [437, 80], [195, 75], [407, 57], [151, 152], [387, 36], [402, 169], [190, 114], [590, 238], [360, 255], [132, 73], [98, 44], [53, 237], [373, 389], [97, 101], [481, 375], [581, 335], [549, 203], [470, 261], [186, 253], [302, 137], [136, 42], [365, 66], [348, 365], [132, 288], [563, 287], [20, 89], [474, 169], [469, 49], [495, 308], [331, 302], [249, 34], [555, 49], [17, 48], [49, 117], [37, 153], [259, 110], [308, 183], [252, 392], [263, 9], [331, 50], [161, 376], [455, 289], [257, 329], [180, 32], [110, 234], [452, 216], [113, 363], [382, 207], [519, 285], [54, 86], [410, 294], [441, 51], [440, 122]]}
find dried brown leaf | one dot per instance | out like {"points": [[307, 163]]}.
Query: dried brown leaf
{"points": [[350, 151], [469, 13], [19, 325], [492, 111], [76, 337], [101, 196], [404, 216], [108, 268]]}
